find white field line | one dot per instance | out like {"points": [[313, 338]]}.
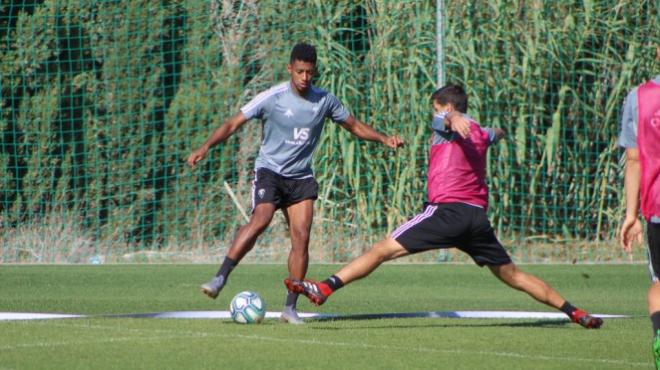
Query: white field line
{"points": [[8, 316], [175, 334]]}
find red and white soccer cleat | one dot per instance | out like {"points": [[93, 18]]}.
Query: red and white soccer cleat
{"points": [[587, 321], [310, 289]]}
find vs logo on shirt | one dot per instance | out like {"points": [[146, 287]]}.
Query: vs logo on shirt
{"points": [[300, 136], [300, 133]]}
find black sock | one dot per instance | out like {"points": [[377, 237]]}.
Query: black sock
{"points": [[567, 308], [655, 319], [333, 282], [227, 265]]}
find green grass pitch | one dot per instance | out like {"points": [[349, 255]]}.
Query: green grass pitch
{"points": [[99, 342]]}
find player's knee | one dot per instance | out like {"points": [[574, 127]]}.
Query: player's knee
{"points": [[386, 250], [517, 281], [259, 222], [300, 233], [510, 275], [523, 281], [256, 227]]}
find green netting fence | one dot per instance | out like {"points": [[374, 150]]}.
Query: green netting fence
{"points": [[102, 101]]}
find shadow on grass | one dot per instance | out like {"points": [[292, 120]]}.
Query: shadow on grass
{"points": [[462, 324], [539, 323]]}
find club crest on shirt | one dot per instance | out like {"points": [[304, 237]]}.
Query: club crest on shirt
{"points": [[261, 193]]}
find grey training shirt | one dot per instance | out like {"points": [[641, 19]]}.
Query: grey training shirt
{"points": [[292, 126], [628, 137]]}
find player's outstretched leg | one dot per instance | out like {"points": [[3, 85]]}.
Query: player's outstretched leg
{"points": [[538, 289], [242, 244], [318, 292]]}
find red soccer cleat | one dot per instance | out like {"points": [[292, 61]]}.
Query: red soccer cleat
{"points": [[315, 291]]}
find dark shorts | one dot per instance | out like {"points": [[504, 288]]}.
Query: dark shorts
{"points": [[653, 230], [450, 225], [271, 187]]}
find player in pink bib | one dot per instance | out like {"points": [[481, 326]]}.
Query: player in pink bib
{"points": [[640, 135], [454, 215]]}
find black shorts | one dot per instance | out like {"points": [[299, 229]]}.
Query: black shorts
{"points": [[653, 230], [271, 187], [449, 225]]}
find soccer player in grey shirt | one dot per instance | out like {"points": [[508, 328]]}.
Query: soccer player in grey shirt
{"points": [[293, 114]]}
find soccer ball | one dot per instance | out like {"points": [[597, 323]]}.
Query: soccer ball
{"points": [[247, 308]]}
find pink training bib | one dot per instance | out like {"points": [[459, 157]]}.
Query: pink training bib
{"points": [[648, 143], [457, 170]]}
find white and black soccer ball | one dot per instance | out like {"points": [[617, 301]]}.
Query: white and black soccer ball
{"points": [[247, 308]]}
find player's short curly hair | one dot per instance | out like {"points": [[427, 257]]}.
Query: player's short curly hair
{"points": [[451, 94], [303, 52]]}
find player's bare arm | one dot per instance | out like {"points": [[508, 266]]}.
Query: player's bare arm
{"points": [[631, 229], [219, 135], [366, 132]]}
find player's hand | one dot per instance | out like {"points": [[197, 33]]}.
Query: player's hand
{"points": [[393, 141], [459, 124], [631, 231], [197, 156]]}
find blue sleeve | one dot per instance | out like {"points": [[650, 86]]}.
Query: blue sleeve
{"points": [[438, 123], [336, 110], [628, 136], [492, 135]]}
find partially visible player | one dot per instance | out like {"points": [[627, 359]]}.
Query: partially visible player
{"points": [[293, 114], [640, 135], [455, 216]]}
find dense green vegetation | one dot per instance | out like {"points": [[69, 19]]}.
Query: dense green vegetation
{"points": [[103, 100]]}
